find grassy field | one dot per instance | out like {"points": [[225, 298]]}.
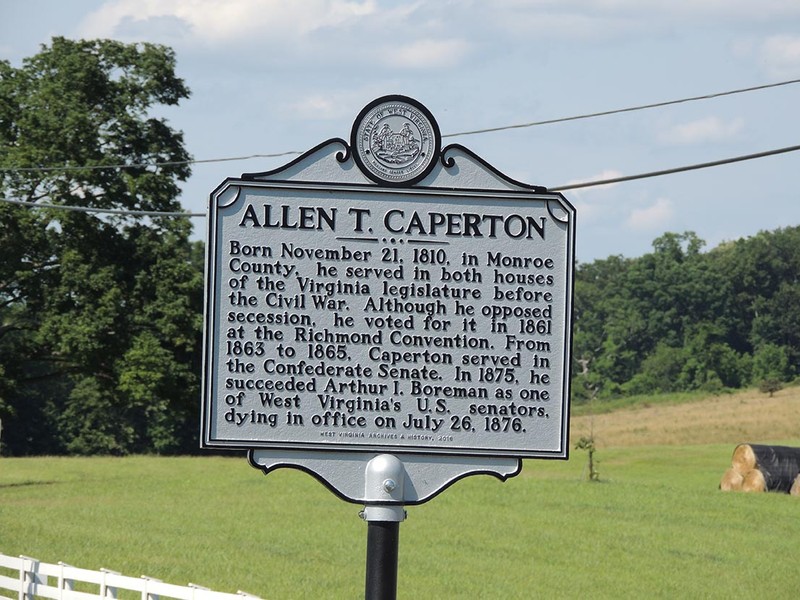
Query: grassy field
{"points": [[655, 526], [685, 419]]}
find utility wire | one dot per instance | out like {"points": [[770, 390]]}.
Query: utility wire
{"points": [[624, 110], [705, 165], [144, 165], [449, 135], [558, 188], [113, 211]]}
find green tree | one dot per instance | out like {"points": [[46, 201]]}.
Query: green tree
{"points": [[759, 310], [599, 321], [777, 320], [771, 362], [100, 311], [660, 372], [710, 363]]}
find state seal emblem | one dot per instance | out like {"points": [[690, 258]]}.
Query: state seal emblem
{"points": [[395, 140]]}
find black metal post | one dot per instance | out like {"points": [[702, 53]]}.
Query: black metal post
{"points": [[383, 539]]}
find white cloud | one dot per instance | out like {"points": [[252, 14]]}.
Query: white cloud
{"points": [[587, 212], [745, 10], [316, 107], [612, 19], [675, 7], [221, 21], [416, 35], [781, 55], [653, 217], [601, 176], [589, 209], [427, 53], [710, 129], [409, 35], [569, 21], [330, 105]]}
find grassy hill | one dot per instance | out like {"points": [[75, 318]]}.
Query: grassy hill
{"points": [[747, 416], [656, 525]]}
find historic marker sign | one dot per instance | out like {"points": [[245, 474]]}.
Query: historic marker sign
{"points": [[388, 295]]}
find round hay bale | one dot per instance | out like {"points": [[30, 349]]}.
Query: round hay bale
{"points": [[731, 481], [795, 490], [754, 482], [744, 459]]}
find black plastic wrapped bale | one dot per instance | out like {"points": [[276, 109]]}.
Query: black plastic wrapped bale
{"points": [[780, 466]]}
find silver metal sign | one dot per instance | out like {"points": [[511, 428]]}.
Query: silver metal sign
{"points": [[389, 296]]}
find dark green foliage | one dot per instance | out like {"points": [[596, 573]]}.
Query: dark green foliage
{"points": [[100, 314], [679, 319], [770, 386], [771, 362]]}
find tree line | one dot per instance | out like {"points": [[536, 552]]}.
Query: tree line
{"points": [[101, 313], [678, 319]]}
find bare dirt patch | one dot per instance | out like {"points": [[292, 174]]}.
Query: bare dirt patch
{"points": [[749, 416]]}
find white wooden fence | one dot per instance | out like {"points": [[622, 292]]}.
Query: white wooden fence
{"points": [[28, 579]]}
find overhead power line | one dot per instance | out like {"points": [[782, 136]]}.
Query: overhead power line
{"points": [[558, 188], [625, 110], [145, 165], [694, 167], [111, 211], [449, 135]]}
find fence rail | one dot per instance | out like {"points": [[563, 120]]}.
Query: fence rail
{"points": [[29, 579]]}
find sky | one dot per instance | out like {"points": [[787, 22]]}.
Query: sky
{"points": [[275, 76]]}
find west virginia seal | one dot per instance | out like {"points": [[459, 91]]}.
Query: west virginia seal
{"points": [[395, 140]]}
